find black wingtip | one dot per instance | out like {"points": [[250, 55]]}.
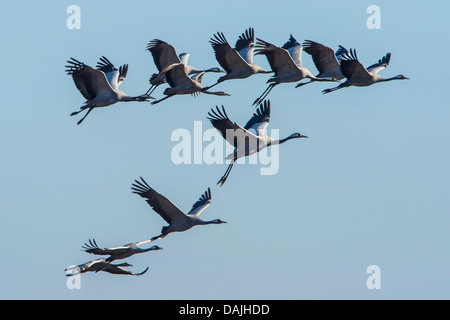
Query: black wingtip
{"points": [[208, 194], [217, 114], [140, 187]]}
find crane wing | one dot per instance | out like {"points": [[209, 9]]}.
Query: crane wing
{"points": [[198, 76], [227, 57], [105, 65], [93, 264], [351, 68], [295, 50], [184, 58], [93, 248], [123, 70], [111, 72], [176, 75], [117, 269], [163, 206], [323, 57], [381, 64], [163, 54], [203, 202], [89, 81], [245, 45], [340, 53], [279, 59], [229, 130], [260, 119]]}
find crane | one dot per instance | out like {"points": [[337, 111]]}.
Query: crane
{"points": [[247, 140], [178, 220], [100, 87]]}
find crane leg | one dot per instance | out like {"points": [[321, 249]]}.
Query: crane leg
{"points": [[82, 108], [150, 91], [264, 94], [160, 100], [333, 89], [82, 119], [225, 176], [303, 83], [215, 84]]}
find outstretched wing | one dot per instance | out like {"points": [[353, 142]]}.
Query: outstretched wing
{"points": [[105, 65], [93, 248], [235, 135], [176, 75], [111, 72], [117, 269], [295, 49], [340, 53], [245, 45], [163, 53], [351, 68], [323, 57], [123, 70], [227, 57], [198, 76], [228, 129], [279, 59], [260, 120], [184, 58], [381, 64], [163, 206], [89, 81], [203, 202]]}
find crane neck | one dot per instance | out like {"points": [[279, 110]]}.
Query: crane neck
{"points": [[126, 98], [281, 141]]}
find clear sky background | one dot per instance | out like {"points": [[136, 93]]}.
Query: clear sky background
{"points": [[369, 187]]}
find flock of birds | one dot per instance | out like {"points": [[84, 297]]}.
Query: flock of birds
{"points": [[100, 88]]}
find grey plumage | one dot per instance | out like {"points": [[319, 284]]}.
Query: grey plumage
{"points": [[100, 87], [357, 75], [178, 220]]}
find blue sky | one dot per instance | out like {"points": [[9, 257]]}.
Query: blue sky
{"points": [[369, 187]]}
